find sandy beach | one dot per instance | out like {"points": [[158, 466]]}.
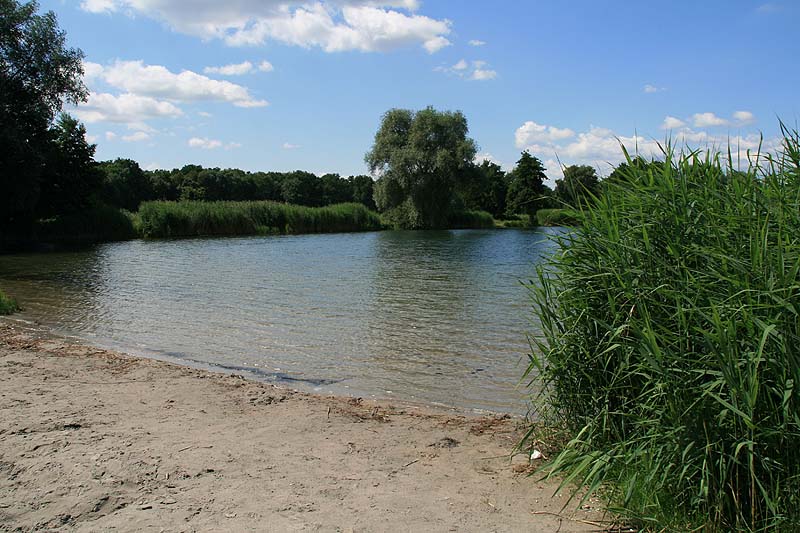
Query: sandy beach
{"points": [[92, 440]]}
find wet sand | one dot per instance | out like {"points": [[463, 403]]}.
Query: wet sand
{"points": [[92, 440]]}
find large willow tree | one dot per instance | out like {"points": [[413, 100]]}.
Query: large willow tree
{"points": [[420, 157]]}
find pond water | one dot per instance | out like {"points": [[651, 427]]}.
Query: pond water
{"points": [[435, 317]]}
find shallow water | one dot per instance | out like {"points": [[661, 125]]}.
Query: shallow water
{"points": [[429, 317]]}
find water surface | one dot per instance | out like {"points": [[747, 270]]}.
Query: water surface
{"points": [[431, 317]]}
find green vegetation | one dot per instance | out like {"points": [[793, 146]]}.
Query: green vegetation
{"points": [[471, 220], [99, 223], [671, 344], [8, 305], [556, 217], [187, 219]]}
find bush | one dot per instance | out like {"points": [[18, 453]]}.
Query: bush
{"points": [[8, 305], [556, 217], [100, 223], [471, 220], [671, 345], [188, 218]]}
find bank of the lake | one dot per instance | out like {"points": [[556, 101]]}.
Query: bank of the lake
{"points": [[93, 440]]}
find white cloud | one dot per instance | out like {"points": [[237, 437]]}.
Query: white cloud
{"points": [[480, 74], [232, 146], [139, 136], [99, 6], [707, 120], [157, 81], [265, 66], [125, 108], [532, 133], [650, 89], [486, 156], [670, 123], [476, 42], [332, 25], [91, 71], [744, 118], [110, 135], [462, 69], [601, 147], [204, 143], [290, 146], [91, 139], [236, 69], [204, 114]]}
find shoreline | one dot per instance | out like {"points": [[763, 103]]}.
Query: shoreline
{"points": [[92, 439]]}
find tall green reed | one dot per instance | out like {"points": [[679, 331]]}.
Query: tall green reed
{"points": [[671, 344], [183, 219]]}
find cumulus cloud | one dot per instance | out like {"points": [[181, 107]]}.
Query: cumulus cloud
{"points": [[110, 135], [186, 86], [332, 25], [707, 120], [670, 123], [139, 136], [290, 146], [125, 108], [265, 66], [650, 89], [204, 143], [601, 147], [744, 118], [481, 74], [476, 42], [236, 69]]}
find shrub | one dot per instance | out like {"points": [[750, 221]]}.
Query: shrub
{"points": [[8, 305], [100, 223], [671, 344], [471, 220]]}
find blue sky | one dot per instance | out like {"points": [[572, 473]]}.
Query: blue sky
{"points": [[284, 85]]}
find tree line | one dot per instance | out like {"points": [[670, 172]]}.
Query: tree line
{"points": [[125, 185]]}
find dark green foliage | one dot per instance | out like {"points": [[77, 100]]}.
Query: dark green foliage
{"points": [[188, 219], [578, 186], [556, 217], [471, 220], [37, 72], [71, 177], [125, 184], [526, 190], [302, 188], [99, 223], [8, 305], [421, 157], [484, 188], [363, 188], [671, 344]]}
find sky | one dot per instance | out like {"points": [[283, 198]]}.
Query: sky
{"points": [[285, 85]]}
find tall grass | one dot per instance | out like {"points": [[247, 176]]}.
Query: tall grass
{"points": [[8, 305], [556, 217], [184, 219], [471, 220], [671, 344]]}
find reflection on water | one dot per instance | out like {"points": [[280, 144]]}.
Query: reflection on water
{"points": [[435, 317]]}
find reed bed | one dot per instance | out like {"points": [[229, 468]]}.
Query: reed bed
{"points": [[471, 220], [186, 219], [556, 217], [671, 344]]}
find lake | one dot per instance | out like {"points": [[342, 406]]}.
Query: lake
{"points": [[433, 317]]}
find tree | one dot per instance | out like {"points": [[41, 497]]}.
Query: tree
{"points": [[363, 188], [579, 184], [71, 177], [420, 158], [527, 192], [37, 73], [125, 185], [302, 188]]}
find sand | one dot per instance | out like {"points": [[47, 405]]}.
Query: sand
{"points": [[92, 440]]}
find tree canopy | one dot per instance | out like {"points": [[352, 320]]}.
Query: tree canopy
{"points": [[579, 185], [38, 72], [527, 192], [420, 157]]}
